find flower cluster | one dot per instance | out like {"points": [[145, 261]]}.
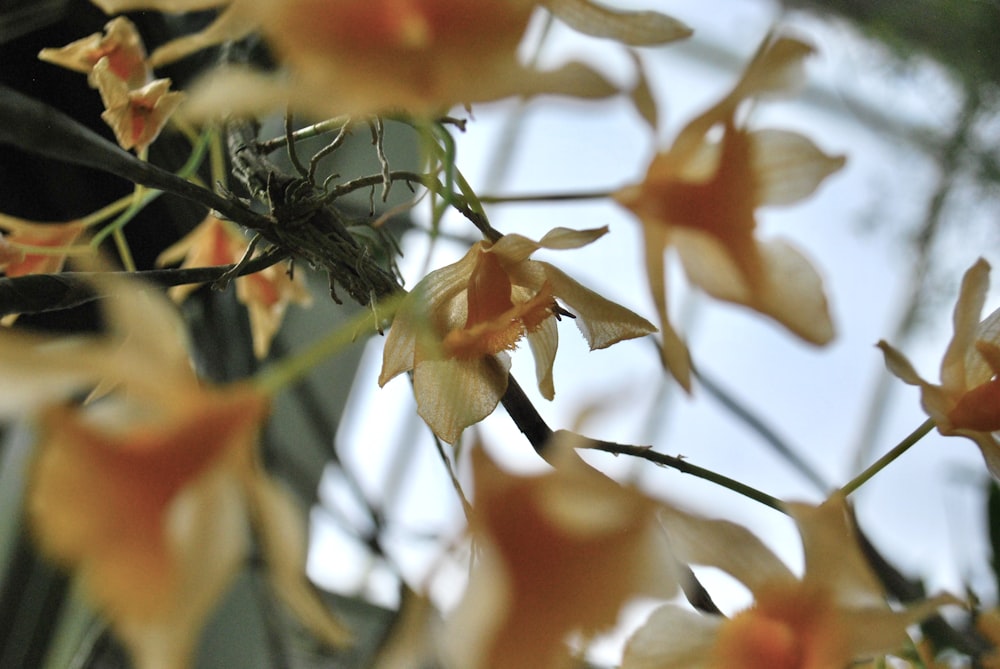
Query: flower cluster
{"points": [[136, 107], [266, 294], [149, 490], [184, 500], [380, 56], [559, 554]]}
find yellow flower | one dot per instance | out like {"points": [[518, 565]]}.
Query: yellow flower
{"points": [[120, 44], [455, 328], [136, 115], [967, 401], [700, 197], [148, 493], [554, 554], [266, 294], [835, 614], [33, 234]]}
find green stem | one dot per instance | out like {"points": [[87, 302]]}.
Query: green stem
{"points": [[884, 461], [682, 465], [293, 369], [107, 211], [545, 197]]}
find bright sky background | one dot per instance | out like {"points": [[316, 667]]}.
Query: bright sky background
{"points": [[924, 512]]}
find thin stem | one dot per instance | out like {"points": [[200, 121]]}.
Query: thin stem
{"points": [[546, 197], [291, 370], [107, 211], [683, 466], [124, 252], [884, 461]]}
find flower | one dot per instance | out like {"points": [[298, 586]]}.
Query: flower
{"points": [[967, 401], [555, 554], [147, 493], [835, 614], [229, 25], [120, 44], [25, 236], [988, 625], [700, 196], [135, 115], [455, 328], [266, 294], [421, 57]]}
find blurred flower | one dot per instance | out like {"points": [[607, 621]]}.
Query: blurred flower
{"points": [[136, 115], [835, 614], [266, 294], [967, 401], [700, 197], [22, 235], [988, 624], [120, 44], [417, 56], [555, 554], [229, 25], [148, 493], [455, 328]]}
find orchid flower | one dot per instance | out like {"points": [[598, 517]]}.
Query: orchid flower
{"points": [[556, 554], [967, 401], [377, 56], [834, 614], [120, 44], [700, 197], [266, 294], [23, 235], [136, 115], [147, 494], [455, 328]]}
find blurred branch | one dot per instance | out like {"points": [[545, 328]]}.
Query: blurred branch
{"points": [[36, 293]]}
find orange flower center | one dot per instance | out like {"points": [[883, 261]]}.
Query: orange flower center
{"points": [[494, 323], [722, 206], [790, 627], [979, 409]]}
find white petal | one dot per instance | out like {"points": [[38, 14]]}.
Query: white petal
{"points": [[720, 543], [793, 293], [832, 555], [672, 638], [900, 366], [965, 320], [636, 28], [543, 342], [788, 167], [230, 25], [514, 249], [601, 321], [452, 395]]}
